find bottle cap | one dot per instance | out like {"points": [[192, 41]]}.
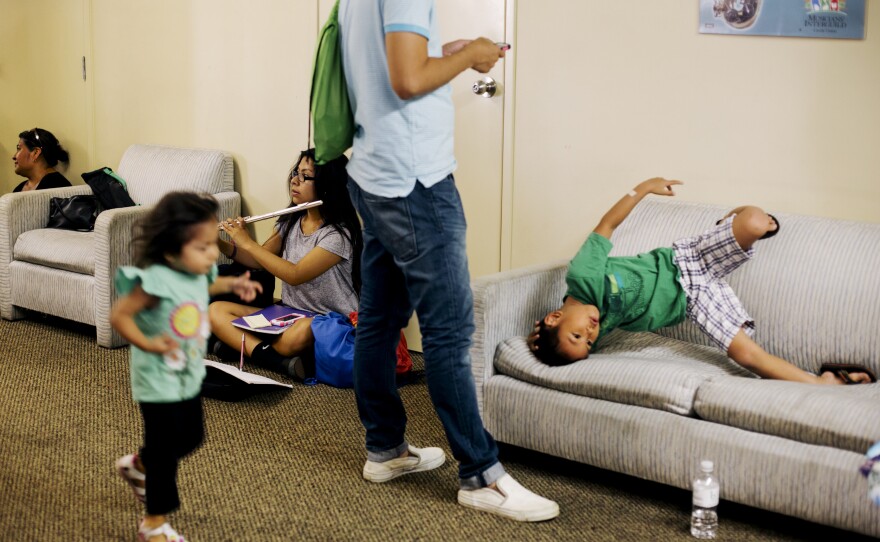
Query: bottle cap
{"points": [[706, 465]]}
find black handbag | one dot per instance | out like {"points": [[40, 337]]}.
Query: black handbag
{"points": [[109, 188], [74, 213]]}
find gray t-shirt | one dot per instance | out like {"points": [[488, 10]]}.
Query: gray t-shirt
{"points": [[332, 290]]}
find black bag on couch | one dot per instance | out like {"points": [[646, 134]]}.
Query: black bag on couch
{"points": [[74, 213], [109, 188]]}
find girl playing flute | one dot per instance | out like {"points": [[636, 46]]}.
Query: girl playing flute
{"points": [[316, 254]]}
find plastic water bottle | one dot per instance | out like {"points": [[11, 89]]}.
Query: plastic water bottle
{"points": [[704, 517]]}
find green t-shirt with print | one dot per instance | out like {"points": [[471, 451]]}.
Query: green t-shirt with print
{"points": [[635, 293], [182, 314]]}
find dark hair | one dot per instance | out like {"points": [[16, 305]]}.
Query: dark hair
{"points": [[53, 152], [547, 346], [331, 187], [168, 226]]}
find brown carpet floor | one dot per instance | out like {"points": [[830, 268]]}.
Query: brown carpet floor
{"points": [[284, 466]]}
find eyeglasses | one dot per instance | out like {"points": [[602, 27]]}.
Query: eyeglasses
{"points": [[300, 178]]}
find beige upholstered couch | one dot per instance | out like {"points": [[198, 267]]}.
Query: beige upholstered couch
{"points": [[70, 274], [653, 405]]}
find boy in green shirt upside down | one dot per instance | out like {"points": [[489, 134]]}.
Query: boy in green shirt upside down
{"points": [[663, 287]]}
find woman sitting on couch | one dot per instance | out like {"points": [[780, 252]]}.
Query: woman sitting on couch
{"points": [[36, 155]]}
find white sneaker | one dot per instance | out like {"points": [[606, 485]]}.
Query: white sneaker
{"points": [[509, 499], [419, 459]]}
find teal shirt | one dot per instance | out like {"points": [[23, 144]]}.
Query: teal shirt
{"points": [[182, 314], [635, 293]]}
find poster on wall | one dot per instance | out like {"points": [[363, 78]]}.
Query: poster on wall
{"points": [[801, 18]]}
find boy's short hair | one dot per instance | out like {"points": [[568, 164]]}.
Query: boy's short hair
{"points": [[546, 346]]}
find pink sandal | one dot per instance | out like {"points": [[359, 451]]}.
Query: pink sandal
{"points": [[125, 466], [145, 533]]}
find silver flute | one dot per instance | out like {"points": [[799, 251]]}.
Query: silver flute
{"points": [[287, 211]]}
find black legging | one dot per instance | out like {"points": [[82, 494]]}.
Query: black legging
{"points": [[171, 432]]}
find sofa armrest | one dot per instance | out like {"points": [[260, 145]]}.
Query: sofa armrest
{"points": [[507, 304], [113, 248], [230, 207], [25, 211], [21, 212], [230, 204]]}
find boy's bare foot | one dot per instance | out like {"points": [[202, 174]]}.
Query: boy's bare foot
{"points": [[847, 373], [830, 377]]}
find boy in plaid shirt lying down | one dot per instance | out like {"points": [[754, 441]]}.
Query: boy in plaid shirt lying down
{"points": [[662, 287]]}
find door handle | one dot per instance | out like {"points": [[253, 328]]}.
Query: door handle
{"points": [[485, 87]]}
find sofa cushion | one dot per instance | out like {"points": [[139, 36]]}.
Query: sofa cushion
{"points": [[640, 369], [846, 417], [152, 171], [61, 249]]}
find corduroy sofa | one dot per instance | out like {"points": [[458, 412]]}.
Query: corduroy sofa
{"points": [[653, 405], [69, 273]]}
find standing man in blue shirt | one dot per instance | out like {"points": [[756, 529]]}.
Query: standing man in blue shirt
{"points": [[414, 255]]}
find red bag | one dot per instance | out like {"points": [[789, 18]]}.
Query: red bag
{"points": [[404, 360]]}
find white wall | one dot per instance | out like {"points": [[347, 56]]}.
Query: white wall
{"points": [[611, 93], [208, 73], [41, 48], [605, 94]]}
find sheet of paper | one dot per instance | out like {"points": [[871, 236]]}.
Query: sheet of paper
{"points": [[256, 321], [250, 378]]}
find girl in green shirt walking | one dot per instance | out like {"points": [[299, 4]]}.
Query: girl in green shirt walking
{"points": [[162, 312]]}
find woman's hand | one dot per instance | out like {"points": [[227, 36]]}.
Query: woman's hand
{"points": [[657, 185], [237, 231]]}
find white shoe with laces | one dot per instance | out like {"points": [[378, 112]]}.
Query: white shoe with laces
{"points": [[418, 460], [509, 499]]}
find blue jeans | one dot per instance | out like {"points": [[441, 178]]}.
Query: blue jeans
{"points": [[414, 259]]}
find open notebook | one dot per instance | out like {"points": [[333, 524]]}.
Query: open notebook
{"points": [[227, 383]]}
